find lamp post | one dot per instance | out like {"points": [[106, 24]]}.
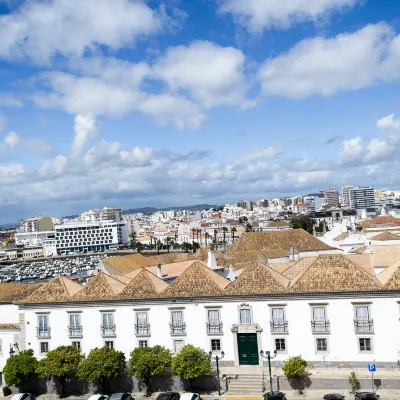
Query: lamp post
{"points": [[268, 357], [217, 361]]}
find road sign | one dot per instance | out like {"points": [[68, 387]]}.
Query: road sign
{"points": [[372, 367], [268, 353]]}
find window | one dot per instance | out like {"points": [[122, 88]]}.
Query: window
{"points": [[177, 325], [75, 322], [44, 347], [43, 323], [109, 344], [77, 345], [319, 322], [178, 344], [142, 326], [108, 321], [365, 344], [322, 344], [280, 344], [245, 316], [363, 321], [142, 343], [215, 344], [214, 324], [278, 322]]}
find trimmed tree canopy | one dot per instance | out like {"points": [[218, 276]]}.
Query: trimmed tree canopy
{"points": [[20, 368], [191, 363], [102, 363], [294, 366]]}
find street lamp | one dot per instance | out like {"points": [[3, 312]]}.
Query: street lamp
{"points": [[268, 357], [217, 361]]}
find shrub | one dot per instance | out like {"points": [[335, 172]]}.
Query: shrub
{"points": [[20, 368]]}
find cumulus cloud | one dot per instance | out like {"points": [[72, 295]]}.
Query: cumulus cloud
{"points": [[10, 100], [37, 30], [85, 129], [324, 66], [261, 153], [351, 150], [388, 122], [257, 15], [11, 140]]}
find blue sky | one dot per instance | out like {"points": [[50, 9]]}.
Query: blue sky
{"points": [[133, 103]]}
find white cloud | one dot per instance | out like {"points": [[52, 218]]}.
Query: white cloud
{"points": [[324, 66], [378, 149], [40, 30], [10, 99], [11, 140], [212, 75], [257, 15], [38, 146], [261, 153], [85, 129], [351, 150], [388, 122]]}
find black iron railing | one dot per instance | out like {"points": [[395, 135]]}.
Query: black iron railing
{"points": [[214, 327], [107, 331], [178, 329], [320, 326], [279, 326], [142, 329], [364, 325]]}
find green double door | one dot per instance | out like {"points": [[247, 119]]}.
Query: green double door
{"points": [[248, 349]]}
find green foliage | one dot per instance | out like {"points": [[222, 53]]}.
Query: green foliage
{"points": [[191, 363], [294, 366], [100, 364], [354, 382], [132, 239], [249, 227], [195, 247], [146, 362], [60, 363], [243, 220], [187, 246], [303, 222], [139, 247], [20, 368]]}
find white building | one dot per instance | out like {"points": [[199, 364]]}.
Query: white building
{"points": [[362, 197], [312, 202], [36, 224], [33, 238], [103, 214]]}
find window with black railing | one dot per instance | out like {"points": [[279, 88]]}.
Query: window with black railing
{"points": [[178, 329], [364, 325], [142, 329], [320, 326], [43, 332], [107, 330], [75, 331], [213, 327], [279, 325]]}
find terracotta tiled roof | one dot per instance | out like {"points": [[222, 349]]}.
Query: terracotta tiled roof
{"points": [[143, 285], [277, 224], [9, 326], [384, 236], [281, 267], [197, 280], [172, 270], [331, 273], [101, 287], [342, 236], [243, 256], [384, 256], [359, 250], [258, 278], [382, 220], [296, 238], [390, 276], [58, 289], [274, 253], [363, 260], [124, 278], [298, 267], [10, 292]]}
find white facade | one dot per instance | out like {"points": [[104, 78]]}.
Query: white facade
{"points": [[33, 238], [376, 338], [361, 197]]}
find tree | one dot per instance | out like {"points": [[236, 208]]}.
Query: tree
{"points": [[293, 368], [224, 231], [146, 362], [168, 242], [101, 364], [215, 239], [139, 247], [60, 363], [304, 222], [191, 363], [159, 246], [354, 382], [195, 247], [206, 237], [249, 227], [20, 368], [233, 230], [243, 220], [187, 246], [132, 239]]}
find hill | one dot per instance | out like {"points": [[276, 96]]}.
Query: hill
{"points": [[151, 210]]}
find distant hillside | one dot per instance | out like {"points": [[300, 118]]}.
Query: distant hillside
{"points": [[152, 210], [70, 217]]}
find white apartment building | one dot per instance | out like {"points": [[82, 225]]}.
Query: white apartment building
{"points": [[313, 202], [330, 197], [103, 214], [36, 224], [362, 197], [90, 236], [33, 238]]}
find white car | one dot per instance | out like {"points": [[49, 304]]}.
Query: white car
{"points": [[190, 396], [21, 396], [98, 397]]}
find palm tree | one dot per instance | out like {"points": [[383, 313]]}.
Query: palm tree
{"points": [[206, 237], [215, 238], [224, 230], [195, 247], [159, 246], [233, 230], [132, 238], [139, 247], [168, 242], [151, 241]]}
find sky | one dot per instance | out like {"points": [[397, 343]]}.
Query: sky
{"points": [[134, 103]]}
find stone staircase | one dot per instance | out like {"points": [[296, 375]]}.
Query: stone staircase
{"points": [[245, 384]]}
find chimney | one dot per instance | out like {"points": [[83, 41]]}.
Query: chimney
{"points": [[231, 269], [291, 254], [211, 261], [159, 272]]}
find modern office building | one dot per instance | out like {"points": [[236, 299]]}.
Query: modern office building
{"points": [[362, 197], [36, 224], [330, 197]]}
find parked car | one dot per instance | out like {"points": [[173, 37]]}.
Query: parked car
{"points": [[275, 396], [120, 396], [169, 396], [366, 395], [333, 396], [98, 397], [21, 396], [190, 396]]}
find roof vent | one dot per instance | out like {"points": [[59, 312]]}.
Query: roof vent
{"points": [[211, 261], [159, 271]]}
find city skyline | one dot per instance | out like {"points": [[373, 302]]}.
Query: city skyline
{"points": [[168, 103]]}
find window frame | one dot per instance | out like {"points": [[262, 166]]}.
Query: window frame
{"points": [[370, 321], [370, 338], [40, 347], [77, 341], [137, 330], [316, 339], [284, 338], [274, 331], [174, 347], [110, 341], [215, 329], [143, 340], [245, 306], [220, 345], [327, 323], [182, 329]]}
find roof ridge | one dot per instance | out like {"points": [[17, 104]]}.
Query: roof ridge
{"points": [[273, 271], [301, 273]]}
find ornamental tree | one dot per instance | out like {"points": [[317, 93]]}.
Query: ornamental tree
{"points": [[146, 362], [61, 363], [101, 364], [191, 363], [20, 368], [293, 368]]}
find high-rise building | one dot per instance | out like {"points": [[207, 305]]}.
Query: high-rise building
{"points": [[331, 197], [346, 195], [246, 204], [262, 203], [362, 197], [36, 224]]}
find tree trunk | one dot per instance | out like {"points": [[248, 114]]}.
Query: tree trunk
{"points": [[102, 381], [62, 384]]}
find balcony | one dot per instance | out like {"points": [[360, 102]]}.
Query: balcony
{"points": [[279, 326], [108, 331], [178, 330], [142, 329], [75, 331], [364, 325], [214, 329], [320, 326], [43, 333]]}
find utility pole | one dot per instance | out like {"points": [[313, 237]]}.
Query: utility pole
{"points": [[268, 357]]}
